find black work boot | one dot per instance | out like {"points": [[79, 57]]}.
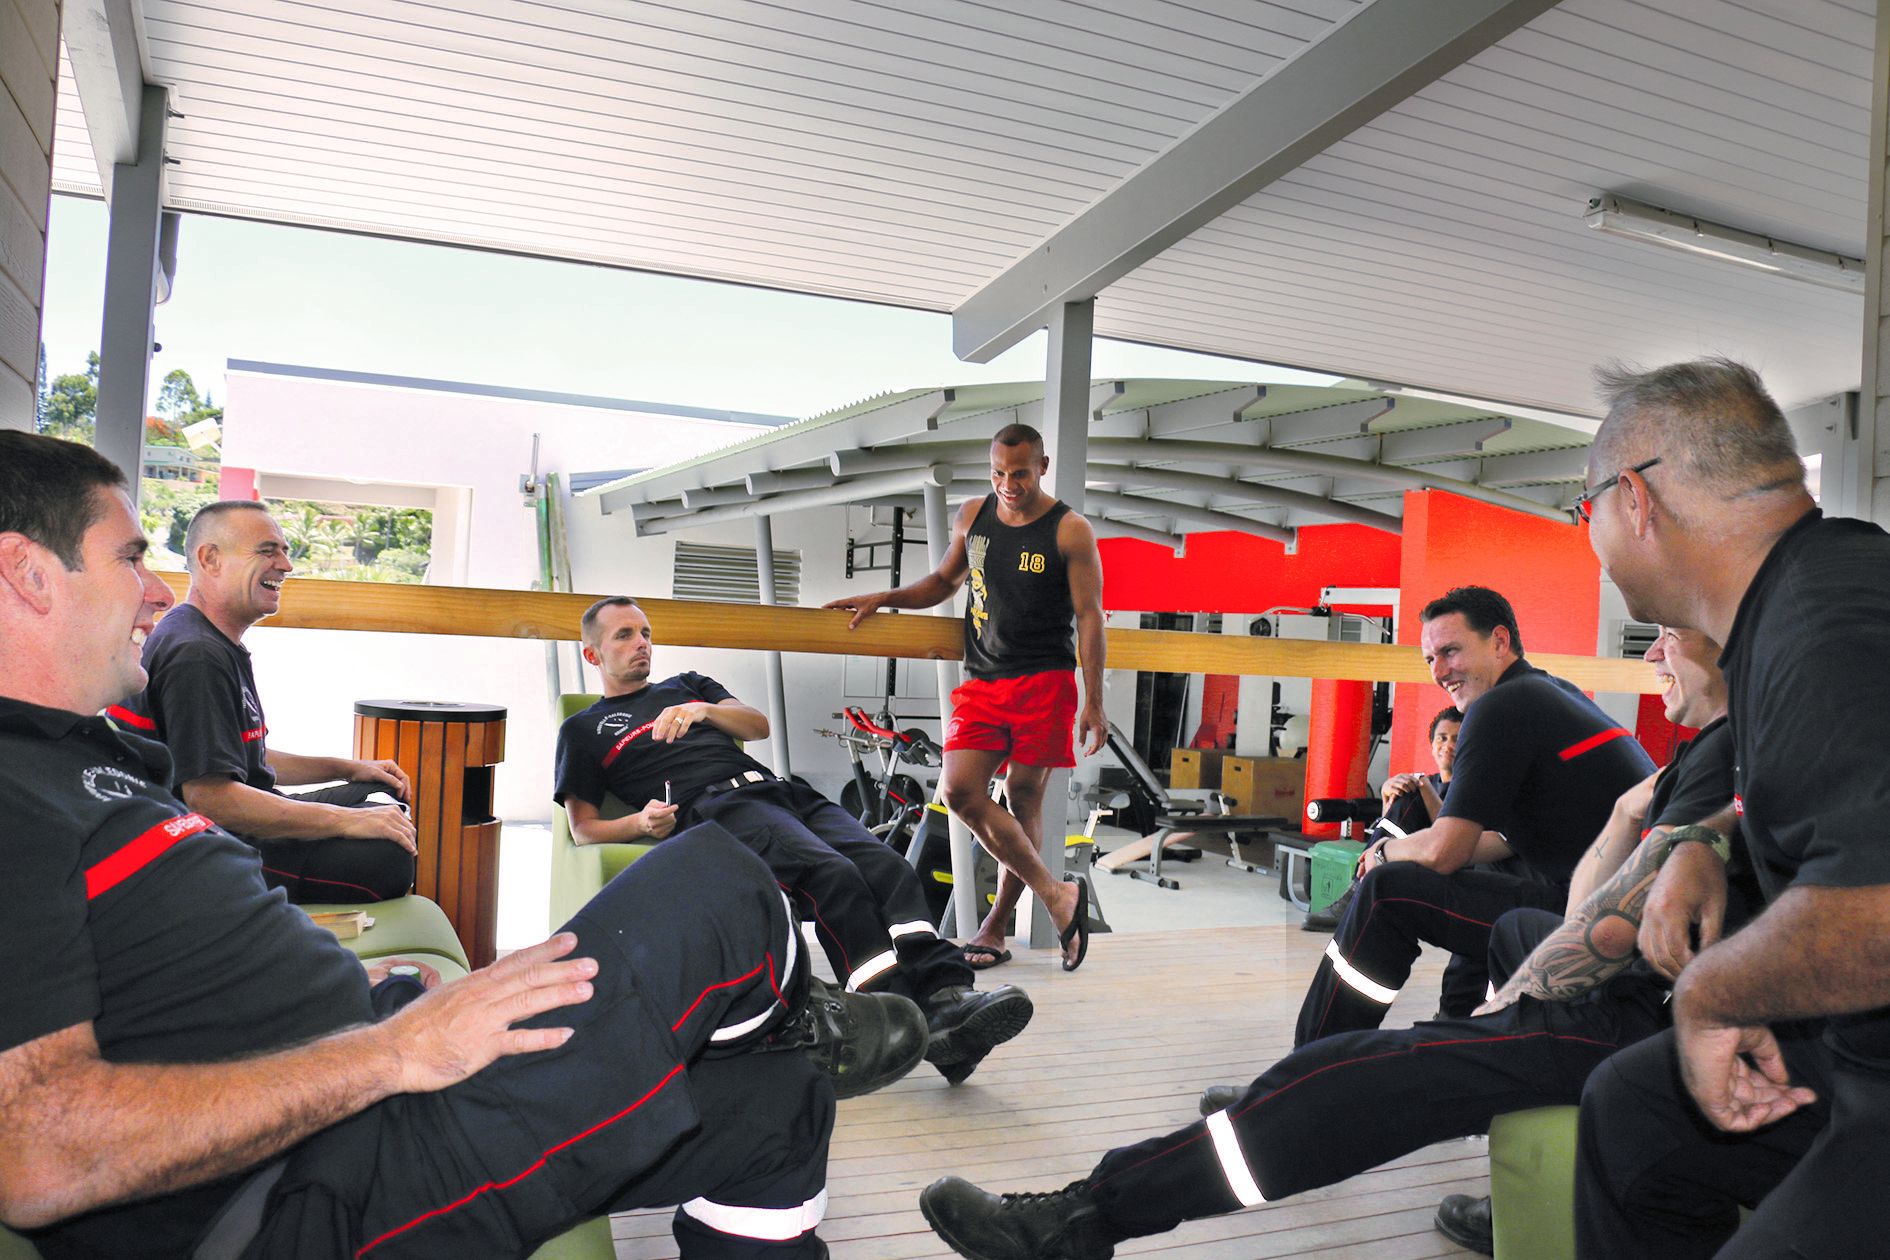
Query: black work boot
{"points": [[1220, 1097], [862, 1040], [965, 1025], [1466, 1222], [1061, 1225]]}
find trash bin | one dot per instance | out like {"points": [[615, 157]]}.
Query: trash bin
{"points": [[1333, 862]]}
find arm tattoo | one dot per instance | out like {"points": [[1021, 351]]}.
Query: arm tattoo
{"points": [[1575, 957]]}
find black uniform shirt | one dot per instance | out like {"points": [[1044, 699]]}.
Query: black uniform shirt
{"points": [[607, 748], [1806, 664], [122, 907], [1539, 762], [1408, 813], [202, 702]]}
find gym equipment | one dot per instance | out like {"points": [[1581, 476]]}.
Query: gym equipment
{"points": [[1171, 815]]}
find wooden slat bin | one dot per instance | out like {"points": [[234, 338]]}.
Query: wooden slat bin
{"points": [[1196, 768], [1265, 785], [448, 751]]}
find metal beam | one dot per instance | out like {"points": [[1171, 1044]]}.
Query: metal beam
{"points": [[1208, 411], [1310, 463], [703, 497], [1524, 467], [963, 910], [857, 463], [891, 423], [1320, 424], [789, 479], [103, 44], [131, 279], [844, 492], [1110, 527], [1182, 513], [1365, 65], [1441, 441], [1128, 475]]}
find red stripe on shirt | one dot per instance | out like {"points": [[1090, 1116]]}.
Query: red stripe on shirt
{"points": [[141, 852], [119, 713], [255, 733], [535, 1166], [620, 745], [1595, 741]]}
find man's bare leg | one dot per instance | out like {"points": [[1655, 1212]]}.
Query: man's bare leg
{"points": [[1008, 837]]}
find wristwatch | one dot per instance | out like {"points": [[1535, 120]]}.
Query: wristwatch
{"points": [[1713, 840]]}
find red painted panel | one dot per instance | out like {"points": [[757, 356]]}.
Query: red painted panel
{"points": [[1232, 572], [237, 483]]}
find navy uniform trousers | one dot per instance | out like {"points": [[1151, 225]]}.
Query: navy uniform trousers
{"points": [[340, 868], [1397, 909], [665, 1095], [1655, 1179], [863, 898], [1338, 1107]]}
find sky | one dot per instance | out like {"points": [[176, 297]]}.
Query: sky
{"points": [[325, 299]]}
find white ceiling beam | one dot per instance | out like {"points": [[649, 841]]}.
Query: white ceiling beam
{"points": [[1206, 412], [702, 498], [1130, 476], [790, 479], [1109, 527], [1365, 65], [856, 491], [858, 463], [1097, 502], [105, 46], [1441, 441], [891, 423], [1319, 424], [1570, 464]]}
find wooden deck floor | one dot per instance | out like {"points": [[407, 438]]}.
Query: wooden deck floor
{"points": [[1117, 1052]]}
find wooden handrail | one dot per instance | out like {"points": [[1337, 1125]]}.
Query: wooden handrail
{"points": [[315, 604]]}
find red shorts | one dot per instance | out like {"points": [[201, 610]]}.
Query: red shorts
{"points": [[1030, 718]]}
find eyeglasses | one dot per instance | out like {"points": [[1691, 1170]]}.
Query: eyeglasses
{"points": [[1581, 507]]}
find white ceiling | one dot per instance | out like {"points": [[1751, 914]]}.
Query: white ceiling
{"points": [[908, 151]]}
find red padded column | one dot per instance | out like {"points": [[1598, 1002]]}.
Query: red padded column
{"points": [[1338, 745]]}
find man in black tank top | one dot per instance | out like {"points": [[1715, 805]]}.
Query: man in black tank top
{"points": [[1033, 568]]}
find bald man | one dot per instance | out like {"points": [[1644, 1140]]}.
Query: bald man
{"points": [[349, 842]]}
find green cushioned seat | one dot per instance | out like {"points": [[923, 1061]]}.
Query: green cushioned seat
{"points": [[580, 871], [1532, 1184], [404, 925]]}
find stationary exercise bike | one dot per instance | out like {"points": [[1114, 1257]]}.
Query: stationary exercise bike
{"points": [[888, 802]]}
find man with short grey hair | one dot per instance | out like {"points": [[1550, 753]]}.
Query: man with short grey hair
{"points": [[1773, 1088], [350, 842]]}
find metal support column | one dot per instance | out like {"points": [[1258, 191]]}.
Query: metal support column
{"points": [[131, 270], [777, 685], [1066, 415], [1862, 488], [964, 914]]}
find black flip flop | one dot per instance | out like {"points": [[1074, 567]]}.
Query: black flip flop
{"points": [[1079, 926], [983, 957]]}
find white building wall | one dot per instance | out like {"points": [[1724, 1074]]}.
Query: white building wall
{"points": [[371, 433]]}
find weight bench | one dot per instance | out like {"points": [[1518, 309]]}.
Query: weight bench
{"points": [[1172, 815]]}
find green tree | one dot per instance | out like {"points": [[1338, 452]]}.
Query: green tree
{"points": [[71, 407]]}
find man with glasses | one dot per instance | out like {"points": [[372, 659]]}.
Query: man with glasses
{"points": [[1773, 1088]]}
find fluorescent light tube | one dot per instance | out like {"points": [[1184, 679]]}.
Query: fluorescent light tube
{"points": [[1619, 216]]}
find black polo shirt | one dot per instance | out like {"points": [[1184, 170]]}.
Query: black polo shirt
{"points": [[123, 908], [1539, 762], [1808, 667], [201, 702], [1408, 813], [607, 748]]}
